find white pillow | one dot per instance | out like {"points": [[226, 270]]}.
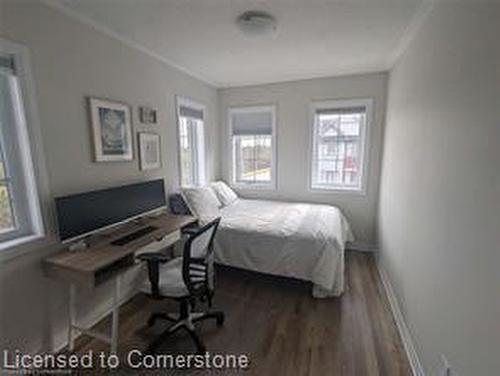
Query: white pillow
{"points": [[224, 193], [202, 202]]}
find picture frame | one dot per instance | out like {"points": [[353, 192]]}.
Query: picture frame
{"points": [[148, 115], [149, 151], [112, 130]]}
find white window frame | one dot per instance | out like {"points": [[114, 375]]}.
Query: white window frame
{"points": [[200, 161], [367, 103], [26, 169], [251, 109]]}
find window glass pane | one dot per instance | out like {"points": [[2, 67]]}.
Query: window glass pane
{"points": [[186, 151], [19, 206], [6, 217], [2, 170], [245, 158], [192, 152], [337, 150], [253, 158], [3, 167], [7, 222], [263, 154]]}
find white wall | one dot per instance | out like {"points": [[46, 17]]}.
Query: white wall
{"points": [[293, 100], [71, 61], [439, 216]]}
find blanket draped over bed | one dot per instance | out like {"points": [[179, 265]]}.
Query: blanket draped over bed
{"points": [[303, 241]]}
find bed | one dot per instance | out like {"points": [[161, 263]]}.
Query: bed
{"points": [[303, 241]]}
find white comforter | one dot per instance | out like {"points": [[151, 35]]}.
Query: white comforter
{"points": [[303, 241]]}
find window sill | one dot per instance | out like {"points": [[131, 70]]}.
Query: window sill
{"points": [[8, 249], [338, 190], [255, 187]]}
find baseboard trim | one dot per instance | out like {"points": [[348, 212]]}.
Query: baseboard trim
{"points": [[361, 247], [404, 332]]}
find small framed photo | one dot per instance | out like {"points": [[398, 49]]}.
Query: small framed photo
{"points": [[149, 151], [112, 130], [147, 115]]}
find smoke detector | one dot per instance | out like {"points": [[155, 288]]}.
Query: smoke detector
{"points": [[257, 23]]}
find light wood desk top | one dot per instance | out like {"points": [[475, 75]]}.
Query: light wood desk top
{"points": [[88, 265]]}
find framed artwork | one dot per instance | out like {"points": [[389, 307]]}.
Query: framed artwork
{"points": [[147, 115], [112, 130], [149, 151]]}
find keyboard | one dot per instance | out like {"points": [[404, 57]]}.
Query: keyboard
{"points": [[134, 235]]}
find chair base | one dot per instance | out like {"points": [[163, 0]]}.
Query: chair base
{"points": [[185, 320]]}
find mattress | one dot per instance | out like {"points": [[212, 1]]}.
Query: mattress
{"points": [[304, 241]]}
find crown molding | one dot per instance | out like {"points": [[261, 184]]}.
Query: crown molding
{"points": [[59, 6], [416, 23]]}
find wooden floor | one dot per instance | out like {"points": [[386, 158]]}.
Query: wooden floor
{"points": [[282, 328]]}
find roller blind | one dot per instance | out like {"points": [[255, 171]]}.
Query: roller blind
{"points": [[190, 112], [341, 111], [252, 123], [7, 64]]}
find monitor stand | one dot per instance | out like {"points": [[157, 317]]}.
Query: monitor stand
{"points": [[78, 246]]}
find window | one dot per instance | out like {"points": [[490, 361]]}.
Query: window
{"points": [[19, 207], [253, 146], [191, 142], [338, 144]]}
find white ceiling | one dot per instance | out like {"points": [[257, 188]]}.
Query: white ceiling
{"points": [[315, 37]]}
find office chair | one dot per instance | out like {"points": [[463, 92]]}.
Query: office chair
{"points": [[186, 279]]}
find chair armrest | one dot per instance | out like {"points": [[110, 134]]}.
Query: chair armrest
{"points": [[153, 260], [190, 230]]}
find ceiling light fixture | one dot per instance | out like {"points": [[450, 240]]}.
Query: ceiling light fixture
{"points": [[257, 23]]}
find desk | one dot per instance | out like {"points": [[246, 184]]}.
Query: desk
{"points": [[102, 261]]}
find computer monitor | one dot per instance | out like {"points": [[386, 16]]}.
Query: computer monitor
{"points": [[83, 214]]}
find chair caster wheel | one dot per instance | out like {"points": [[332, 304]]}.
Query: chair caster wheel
{"points": [[220, 319]]}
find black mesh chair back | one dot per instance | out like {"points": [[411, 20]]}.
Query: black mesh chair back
{"points": [[198, 260]]}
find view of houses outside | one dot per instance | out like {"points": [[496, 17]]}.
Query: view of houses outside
{"points": [[337, 149]]}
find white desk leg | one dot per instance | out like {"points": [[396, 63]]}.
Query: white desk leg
{"points": [[72, 316], [115, 317]]}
